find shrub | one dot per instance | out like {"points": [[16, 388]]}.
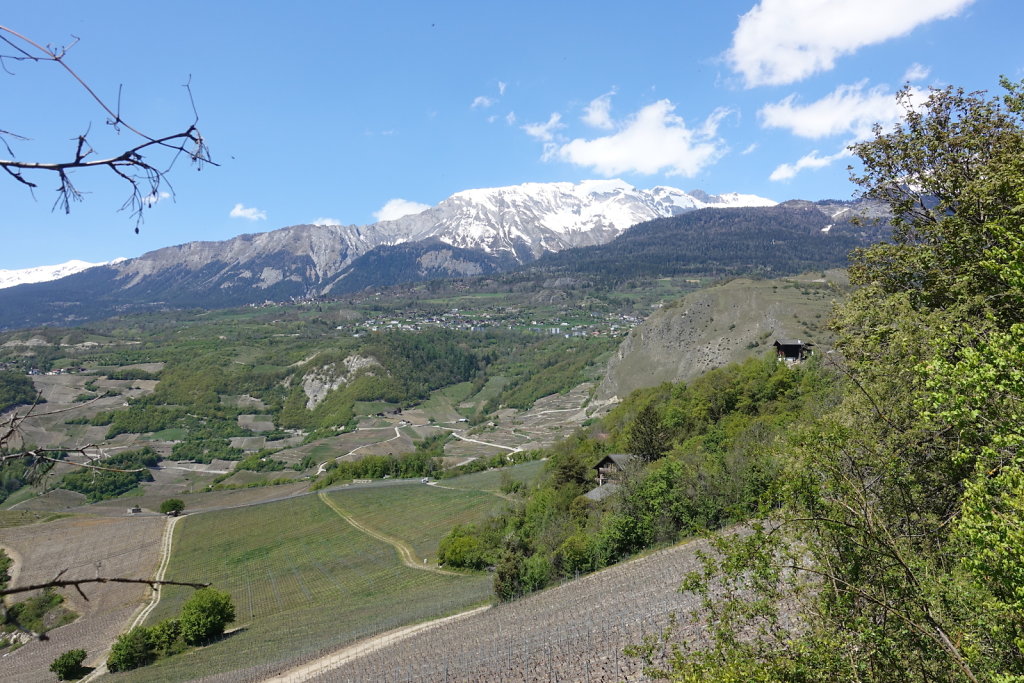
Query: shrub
{"points": [[131, 650], [205, 615], [166, 638], [174, 505], [68, 666]]}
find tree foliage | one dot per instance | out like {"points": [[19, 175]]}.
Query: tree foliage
{"points": [[68, 665], [205, 615], [15, 389], [131, 650], [715, 438], [897, 532], [131, 469], [175, 505]]}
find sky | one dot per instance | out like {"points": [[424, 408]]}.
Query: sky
{"points": [[348, 112]]}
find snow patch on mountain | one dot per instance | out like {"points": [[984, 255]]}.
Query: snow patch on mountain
{"points": [[24, 276]]}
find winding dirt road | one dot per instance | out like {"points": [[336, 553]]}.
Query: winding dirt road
{"points": [[332, 661], [405, 552]]}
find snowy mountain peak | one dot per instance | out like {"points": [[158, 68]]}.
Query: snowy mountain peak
{"points": [[527, 220], [12, 278]]}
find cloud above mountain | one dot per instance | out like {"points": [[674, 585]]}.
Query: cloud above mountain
{"points": [[248, 213], [652, 140], [847, 110], [394, 209]]}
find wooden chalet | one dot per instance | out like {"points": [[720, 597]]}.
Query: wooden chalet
{"points": [[793, 350], [611, 467]]}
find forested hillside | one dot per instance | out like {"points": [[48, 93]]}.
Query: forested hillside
{"points": [[883, 482], [895, 527], [704, 458], [767, 241]]}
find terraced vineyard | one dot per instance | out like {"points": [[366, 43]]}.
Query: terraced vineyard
{"points": [[302, 580], [85, 548], [574, 632]]}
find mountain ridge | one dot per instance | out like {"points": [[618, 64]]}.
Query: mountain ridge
{"points": [[473, 232]]}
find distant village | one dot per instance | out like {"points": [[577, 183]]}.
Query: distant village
{"points": [[511, 318]]}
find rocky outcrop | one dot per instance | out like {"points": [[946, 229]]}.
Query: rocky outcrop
{"points": [[720, 325], [318, 383]]}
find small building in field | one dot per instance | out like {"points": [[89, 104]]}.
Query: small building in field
{"points": [[611, 467], [793, 350]]}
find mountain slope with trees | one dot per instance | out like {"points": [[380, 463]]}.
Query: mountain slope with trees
{"points": [[790, 238], [896, 526]]}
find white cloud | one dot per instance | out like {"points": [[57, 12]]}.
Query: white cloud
{"points": [[545, 132], [501, 87], [653, 140], [598, 112], [750, 148], [151, 199], [916, 72], [784, 41], [812, 161], [326, 221], [250, 213], [481, 102], [396, 208], [510, 118], [849, 109]]}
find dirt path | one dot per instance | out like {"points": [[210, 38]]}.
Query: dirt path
{"points": [[398, 435], [363, 647], [165, 558], [484, 443], [404, 551]]}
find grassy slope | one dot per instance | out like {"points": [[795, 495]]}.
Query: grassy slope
{"points": [[490, 480], [302, 579], [418, 515]]}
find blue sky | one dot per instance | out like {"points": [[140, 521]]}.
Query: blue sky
{"points": [[337, 111]]}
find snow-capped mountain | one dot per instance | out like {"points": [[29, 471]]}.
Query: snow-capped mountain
{"points": [[525, 221], [12, 278], [472, 232]]}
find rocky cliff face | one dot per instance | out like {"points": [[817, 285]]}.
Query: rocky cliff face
{"points": [[720, 325]]}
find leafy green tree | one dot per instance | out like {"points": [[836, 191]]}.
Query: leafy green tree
{"points": [[131, 650], [68, 665], [175, 505], [166, 638], [648, 436], [15, 389], [897, 521], [205, 616]]}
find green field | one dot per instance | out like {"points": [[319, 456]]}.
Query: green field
{"points": [[491, 480], [418, 515], [302, 579]]}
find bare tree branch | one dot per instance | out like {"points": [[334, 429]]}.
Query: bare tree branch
{"points": [[77, 584], [145, 177]]}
